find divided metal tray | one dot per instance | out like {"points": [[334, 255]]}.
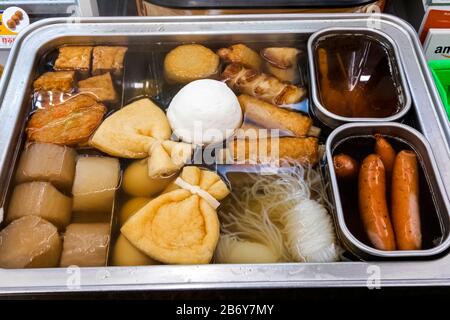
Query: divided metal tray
{"points": [[427, 113]]}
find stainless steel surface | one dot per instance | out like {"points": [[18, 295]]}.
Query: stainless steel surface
{"points": [[321, 112], [46, 34], [422, 148]]}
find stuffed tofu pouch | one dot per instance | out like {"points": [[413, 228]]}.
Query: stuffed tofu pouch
{"points": [[181, 226]]}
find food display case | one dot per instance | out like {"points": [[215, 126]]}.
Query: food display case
{"points": [[355, 260]]}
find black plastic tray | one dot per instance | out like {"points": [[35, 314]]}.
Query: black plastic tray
{"points": [[195, 4]]}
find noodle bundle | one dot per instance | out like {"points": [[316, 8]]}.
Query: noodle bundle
{"points": [[284, 212]]}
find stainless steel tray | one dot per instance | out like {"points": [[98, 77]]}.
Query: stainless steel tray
{"points": [[14, 95]]}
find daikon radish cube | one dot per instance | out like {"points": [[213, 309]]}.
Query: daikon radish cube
{"points": [[47, 162], [30, 242], [85, 245], [96, 181], [40, 199]]}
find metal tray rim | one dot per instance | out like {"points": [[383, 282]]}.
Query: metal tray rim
{"points": [[283, 275]]}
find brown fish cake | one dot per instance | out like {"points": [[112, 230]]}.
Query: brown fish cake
{"points": [[68, 123]]}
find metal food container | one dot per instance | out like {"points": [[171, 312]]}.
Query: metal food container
{"points": [[46, 35], [333, 120], [413, 139]]}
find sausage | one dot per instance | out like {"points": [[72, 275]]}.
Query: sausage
{"points": [[345, 166], [387, 154], [372, 203], [405, 201]]}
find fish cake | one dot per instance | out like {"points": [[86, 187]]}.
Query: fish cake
{"points": [[74, 58], [108, 59], [100, 86], [240, 53], [190, 62], [63, 81], [69, 123]]}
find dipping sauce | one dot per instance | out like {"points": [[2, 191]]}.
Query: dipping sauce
{"points": [[357, 77]]}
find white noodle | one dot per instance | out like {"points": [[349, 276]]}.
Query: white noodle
{"points": [[270, 210]]}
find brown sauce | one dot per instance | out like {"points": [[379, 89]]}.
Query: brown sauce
{"points": [[357, 77]]}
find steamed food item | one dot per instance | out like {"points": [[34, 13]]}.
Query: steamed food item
{"points": [[40, 199], [373, 205], [204, 112], [108, 59], [231, 250], [130, 207], [261, 85], [74, 58], [140, 130], [190, 62], [125, 254], [63, 81], [282, 62], [240, 53], [47, 162], [85, 245], [101, 87], [272, 150], [405, 202], [29, 242], [181, 226], [69, 123], [96, 181], [137, 182], [345, 166], [273, 117]]}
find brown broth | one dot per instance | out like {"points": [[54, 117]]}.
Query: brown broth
{"points": [[359, 148], [362, 78]]}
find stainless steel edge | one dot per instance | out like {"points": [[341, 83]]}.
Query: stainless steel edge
{"points": [[420, 145], [334, 120], [343, 274]]}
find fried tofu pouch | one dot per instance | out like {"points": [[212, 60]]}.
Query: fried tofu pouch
{"points": [[180, 227], [141, 130]]}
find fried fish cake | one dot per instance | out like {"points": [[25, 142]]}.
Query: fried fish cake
{"points": [[190, 62], [100, 86], [55, 81], [69, 123], [74, 58], [108, 59]]}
